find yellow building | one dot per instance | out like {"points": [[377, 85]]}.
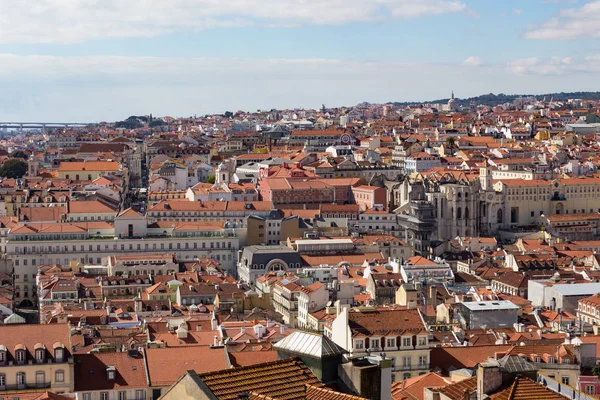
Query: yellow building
{"points": [[526, 200], [36, 357]]}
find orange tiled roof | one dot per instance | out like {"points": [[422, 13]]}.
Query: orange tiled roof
{"points": [[413, 388], [457, 390], [167, 365], [320, 393], [90, 372], [283, 379], [526, 389]]}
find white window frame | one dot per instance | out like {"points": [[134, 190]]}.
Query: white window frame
{"points": [[590, 389]]}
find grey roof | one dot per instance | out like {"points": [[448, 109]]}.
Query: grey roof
{"points": [[490, 305], [515, 364], [264, 254], [309, 344], [14, 319], [577, 289], [463, 371]]}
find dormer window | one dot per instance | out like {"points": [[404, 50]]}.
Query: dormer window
{"points": [[40, 353], [110, 373], [20, 353], [59, 352], [2, 354]]}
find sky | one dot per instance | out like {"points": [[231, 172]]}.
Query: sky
{"points": [[103, 60]]}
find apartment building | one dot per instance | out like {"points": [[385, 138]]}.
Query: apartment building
{"points": [[294, 302], [401, 334], [34, 358], [31, 245], [255, 261], [377, 220], [527, 200], [368, 197], [143, 264], [234, 212], [87, 170], [111, 376], [588, 310]]}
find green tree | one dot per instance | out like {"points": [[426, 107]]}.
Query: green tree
{"points": [[211, 179], [129, 123], [156, 122], [20, 154], [13, 168], [228, 114]]}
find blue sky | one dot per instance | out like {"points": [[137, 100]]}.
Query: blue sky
{"points": [[91, 60]]}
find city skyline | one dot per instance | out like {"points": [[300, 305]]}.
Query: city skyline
{"points": [[77, 61]]}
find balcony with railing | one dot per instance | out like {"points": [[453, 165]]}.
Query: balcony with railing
{"points": [[411, 367], [26, 386]]}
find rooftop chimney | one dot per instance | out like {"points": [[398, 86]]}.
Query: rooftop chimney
{"points": [[489, 379]]}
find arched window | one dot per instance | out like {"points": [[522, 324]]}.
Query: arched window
{"points": [[466, 212], [459, 213], [499, 216]]}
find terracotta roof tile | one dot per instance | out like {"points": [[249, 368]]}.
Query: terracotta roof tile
{"points": [[90, 371], [413, 388], [526, 389], [321, 393], [167, 365], [456, 391], [449, 358], [284, 379]]}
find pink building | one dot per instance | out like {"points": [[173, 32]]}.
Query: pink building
{"points": [[369, 196], [589, 385], [307, 192]]}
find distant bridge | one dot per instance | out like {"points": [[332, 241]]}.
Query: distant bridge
{"points": [[42, 125]]}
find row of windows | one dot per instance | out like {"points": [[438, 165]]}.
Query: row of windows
{"points": [[138, 246], [40, 378], [139, 395], [40, 355], [359, 344]]}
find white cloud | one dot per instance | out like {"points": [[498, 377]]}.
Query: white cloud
{"points": [[95, 88], [571, 23], [71, 21], [473, 61], [554, 65], [517, 11]]}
